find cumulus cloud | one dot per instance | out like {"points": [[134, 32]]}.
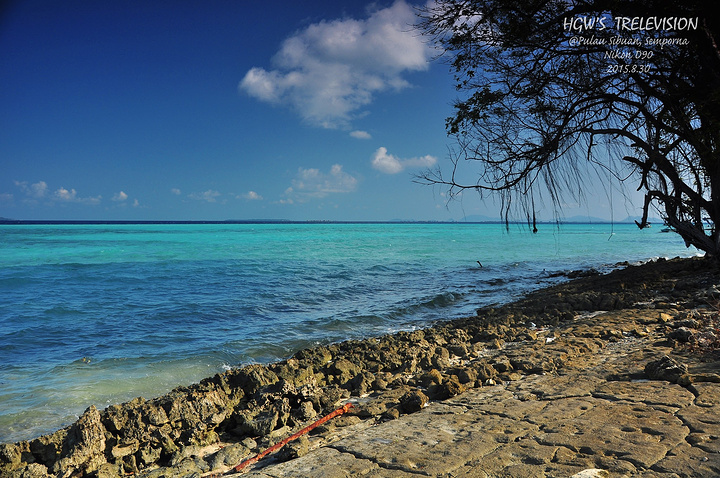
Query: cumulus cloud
{"points": [[175, 191], [252, 196], [36, 190], [288, 197], [120, 197], [360, 134], [331, 69], [391, 164], [70, 196], [264, 85], [65, 195], [209, 196], [313, 183]]}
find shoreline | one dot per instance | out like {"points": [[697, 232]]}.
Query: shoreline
{"points": [[389, 377]]}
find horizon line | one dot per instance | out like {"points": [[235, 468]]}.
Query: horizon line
{"points": [[6, 221]]}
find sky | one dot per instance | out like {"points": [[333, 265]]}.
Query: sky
{"points": [[226, 110]]}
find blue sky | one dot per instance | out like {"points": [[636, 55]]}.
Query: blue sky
{"points": [[224, 109]]}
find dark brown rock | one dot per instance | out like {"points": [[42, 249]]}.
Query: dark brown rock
{"points": [[156, 414], [148, 455], [84, 447], [11, 455], [665, 368], [431, 377], [252, 377], [681, 334], [343, 370], [295, 449], [502, 365], [48, 449], [392, 413], [450, 387], [413, 401], [331, 397], [305, 411], [163, 437], [379, 383], [361, 383], [35, 470], [441, 358], [230, 455], [315, 357], [485, 371], [262, 424], [466, 375]]}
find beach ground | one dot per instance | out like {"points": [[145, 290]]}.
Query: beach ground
{"points": [[606, 375], [602, 415]]}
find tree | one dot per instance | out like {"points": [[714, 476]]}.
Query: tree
{"points": [[561, 92]]}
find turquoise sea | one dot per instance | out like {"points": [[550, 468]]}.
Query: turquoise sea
{"points": [[100, 314]]}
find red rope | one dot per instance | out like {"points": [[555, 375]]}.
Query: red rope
{"points": [[277, 446]]}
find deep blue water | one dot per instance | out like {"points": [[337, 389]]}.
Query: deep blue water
{"points": [[99, 314]]}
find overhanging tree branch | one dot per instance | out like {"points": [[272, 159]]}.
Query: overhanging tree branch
{"points": [[543, 113]]}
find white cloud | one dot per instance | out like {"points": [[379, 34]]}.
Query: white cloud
{"points": [[210, 195], [332, 69], [263, 85], [70, 195], [391, 164], [360, 134], [36, 190], [120, 197], [252, 196], [175, 191], [288, 194], [64, 195], [39, 190], [136, 203], [313, 183]]}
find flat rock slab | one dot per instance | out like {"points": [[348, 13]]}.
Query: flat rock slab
{"points": [[542, 425], [437, 441], [325, 462]]}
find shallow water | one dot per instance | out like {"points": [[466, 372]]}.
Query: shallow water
{"points": [[100, 314]]}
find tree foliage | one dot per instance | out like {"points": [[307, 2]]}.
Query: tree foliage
{"points": [[557, 93]]}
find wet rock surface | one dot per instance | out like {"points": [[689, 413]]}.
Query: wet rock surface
{"points": [[616, 373]]}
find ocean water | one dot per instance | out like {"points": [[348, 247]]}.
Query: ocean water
{"points": [[100, 314]]}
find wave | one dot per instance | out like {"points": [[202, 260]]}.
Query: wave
{"points": [[442, 300]]}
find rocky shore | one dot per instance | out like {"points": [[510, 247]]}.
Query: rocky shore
{"points": [[606, 375]]}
